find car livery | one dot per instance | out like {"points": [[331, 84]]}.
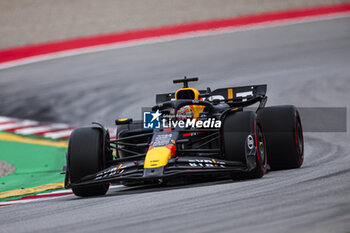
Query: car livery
{"points": [[199, 133]]}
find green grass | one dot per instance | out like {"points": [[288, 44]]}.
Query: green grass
{"points": [[35, 165]]}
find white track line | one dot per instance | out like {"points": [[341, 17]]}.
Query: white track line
{"points": [[18, 124], [39, 197], [161, 39], [6, 119], [40, 129], [48, 130], [58, 134], [30, 127], [7, 203]]}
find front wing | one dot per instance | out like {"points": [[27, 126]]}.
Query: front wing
{"points": [[176, 167]]}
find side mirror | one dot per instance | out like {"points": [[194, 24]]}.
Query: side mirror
{"points": [[123, 121]]}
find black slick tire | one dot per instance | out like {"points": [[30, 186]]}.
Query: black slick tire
{"points": [[85, 158], [236, 128]]}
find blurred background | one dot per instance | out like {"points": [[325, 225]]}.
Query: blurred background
{"points": [[304, 63], [103, 86], [35, 21]]}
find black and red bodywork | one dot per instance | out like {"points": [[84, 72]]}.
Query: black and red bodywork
{"points": [[196, 151]]}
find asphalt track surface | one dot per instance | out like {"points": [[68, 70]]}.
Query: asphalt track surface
{"points": [[305, 64]]}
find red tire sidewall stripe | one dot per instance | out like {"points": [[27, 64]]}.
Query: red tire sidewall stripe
{"points": [[263, 170], [263, 135], [300, 158]]}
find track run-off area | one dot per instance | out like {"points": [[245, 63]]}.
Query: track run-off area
{"points": [[305, 62]]}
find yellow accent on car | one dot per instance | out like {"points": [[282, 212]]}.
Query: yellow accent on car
{"points": [[123, 121], [230, 94], [234, 109], [197, 109], [157, 157], [195, 91]]}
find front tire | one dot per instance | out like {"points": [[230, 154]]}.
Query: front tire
{"points": [[236, 129], [85, 154]]}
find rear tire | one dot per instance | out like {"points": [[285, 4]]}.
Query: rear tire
{"points": [[236, 129], [85, 153], [284, 136]]}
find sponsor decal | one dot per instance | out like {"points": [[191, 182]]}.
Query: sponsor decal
{"points": [[206, 163], [184, 119], [191, 123], [110, 172], [162, 140], [151, 120], [250, 142]]}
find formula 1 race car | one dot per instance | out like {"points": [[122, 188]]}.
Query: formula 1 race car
{"points": [[189, 133]]}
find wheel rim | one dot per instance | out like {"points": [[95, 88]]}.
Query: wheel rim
{"points": [[261, 146], [299, 138]]}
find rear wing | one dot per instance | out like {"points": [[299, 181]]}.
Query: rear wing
{"points": [[231, 95], [239, 93]]}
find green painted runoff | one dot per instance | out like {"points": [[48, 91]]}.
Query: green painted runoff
{"points": [[35, 165]]}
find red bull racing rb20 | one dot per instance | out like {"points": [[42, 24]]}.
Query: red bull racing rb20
{"points": [[188, 134]]}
